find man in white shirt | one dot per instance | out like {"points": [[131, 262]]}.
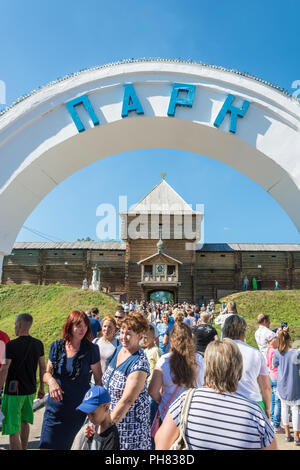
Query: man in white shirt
{"points": [[263, 332], [229, 310], [255, 382]]}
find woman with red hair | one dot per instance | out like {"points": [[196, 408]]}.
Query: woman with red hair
{"points": [[68, 376]]}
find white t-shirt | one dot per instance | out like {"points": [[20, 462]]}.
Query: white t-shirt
{"points": [[260, 337], [106, 351], [168, 385], [254, 364]]}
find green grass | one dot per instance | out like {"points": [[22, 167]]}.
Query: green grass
{"points": [[282, 305], [49, 306]]}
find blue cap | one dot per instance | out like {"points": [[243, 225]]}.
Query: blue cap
{"points": [[94, 397], [284, 324]]}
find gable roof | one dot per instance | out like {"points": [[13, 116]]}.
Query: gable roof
{"points": [[162, 199], [159, 254]]}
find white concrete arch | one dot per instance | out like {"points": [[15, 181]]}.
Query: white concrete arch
{"points": [[40, 144]]}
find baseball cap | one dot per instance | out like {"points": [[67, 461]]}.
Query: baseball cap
{"points": [[284, 324], [93, 398]]}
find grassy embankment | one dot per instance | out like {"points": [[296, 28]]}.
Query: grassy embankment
{"points": [[49, 306], [279, 305]]}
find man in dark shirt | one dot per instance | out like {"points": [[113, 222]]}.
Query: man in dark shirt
{"points": [[95, 324], [119, 316], [204, 333], [23, 356]]}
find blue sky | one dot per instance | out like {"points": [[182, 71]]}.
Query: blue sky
{"points": [[47, 40]]}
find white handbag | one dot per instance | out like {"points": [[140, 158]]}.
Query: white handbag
{"points": [[181, 443]]}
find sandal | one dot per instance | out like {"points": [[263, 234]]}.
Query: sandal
{"points": [[296, 443], [289, 439]]}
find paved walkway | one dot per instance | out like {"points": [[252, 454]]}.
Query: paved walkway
{"points": [[35, 434]]}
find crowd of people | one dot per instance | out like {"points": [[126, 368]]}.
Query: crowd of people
{"points": [[122, 381]]}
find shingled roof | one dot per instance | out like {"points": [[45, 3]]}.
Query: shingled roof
{"points": [[218, 247], [69, 246], [207, 247], [162, 199]]}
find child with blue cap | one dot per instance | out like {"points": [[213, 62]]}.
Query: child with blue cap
{"points": [[99, 432]]}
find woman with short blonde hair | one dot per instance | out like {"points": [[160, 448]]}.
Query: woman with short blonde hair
{"points": [[218, 418], [223, 366], [107, 343]]}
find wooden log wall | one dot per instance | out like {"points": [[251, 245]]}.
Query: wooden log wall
{"points": [[215, 271], [69, 267], [201, 275], [274, 266], [22, 267]]}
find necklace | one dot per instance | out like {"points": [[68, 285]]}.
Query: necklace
{"points": [[71, 349]]}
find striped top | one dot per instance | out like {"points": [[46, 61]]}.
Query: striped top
{"points": [[223, 421]]}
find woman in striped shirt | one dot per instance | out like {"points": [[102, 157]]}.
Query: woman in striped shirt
{"points": [[219, 418]]}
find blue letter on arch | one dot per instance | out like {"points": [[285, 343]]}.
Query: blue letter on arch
{"points": [[130, 101], [74, 115], [175, 101], [233, 110]]}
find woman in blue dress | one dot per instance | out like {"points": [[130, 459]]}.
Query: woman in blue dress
{"points": [[68, 378], [126, 381], [162, 329]]}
